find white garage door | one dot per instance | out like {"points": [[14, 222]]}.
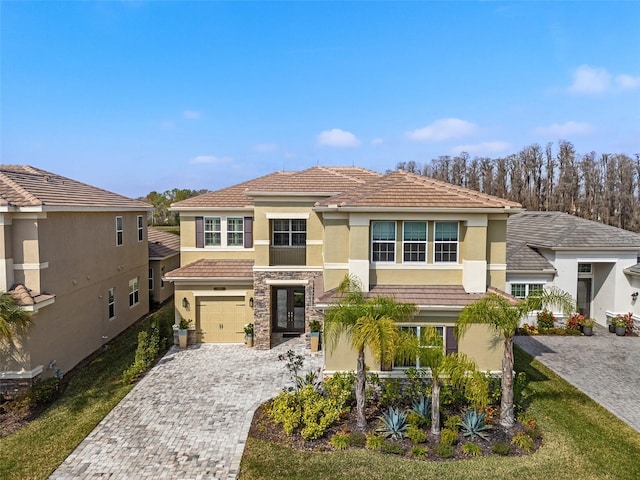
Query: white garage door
{"points": [[221, 319]]}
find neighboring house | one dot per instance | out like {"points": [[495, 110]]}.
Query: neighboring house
{"points": [[76, 257], [273, 250], [596, 264], [164, 256]]}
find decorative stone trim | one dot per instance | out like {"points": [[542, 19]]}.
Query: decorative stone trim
{"points": [[262, 283]]}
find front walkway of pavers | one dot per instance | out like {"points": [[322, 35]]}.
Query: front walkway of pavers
{"points": [[603, 366], [188, 418]]}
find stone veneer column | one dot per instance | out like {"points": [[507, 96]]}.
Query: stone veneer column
{"points": [[262, 303]]}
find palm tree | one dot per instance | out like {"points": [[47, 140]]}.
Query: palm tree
{"points": [[503, 315], [456, 368], [11, 316], [366, 323]]}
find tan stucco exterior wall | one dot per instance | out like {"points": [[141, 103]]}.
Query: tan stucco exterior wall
{"points": [[163, 290], [80, 262], [426, 276], [336, 241]]}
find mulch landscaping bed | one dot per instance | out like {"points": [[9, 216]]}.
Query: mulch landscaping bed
{"points": [[264, 428]]}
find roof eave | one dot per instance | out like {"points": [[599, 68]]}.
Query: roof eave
{"points": [[205, 279], [333, 208], [211, 209], [306, 193]]}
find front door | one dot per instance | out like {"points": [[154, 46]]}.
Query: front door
{"points": [[287, 311], [584, 296]]}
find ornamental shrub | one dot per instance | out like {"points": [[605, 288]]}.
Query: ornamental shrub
{"points": [[546, 319]]}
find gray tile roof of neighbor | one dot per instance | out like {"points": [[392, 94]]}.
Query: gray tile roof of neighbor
{"points": [[529, 231], [27, 186]]}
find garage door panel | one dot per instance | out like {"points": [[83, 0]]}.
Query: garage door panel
{"points": [[221, 319]]}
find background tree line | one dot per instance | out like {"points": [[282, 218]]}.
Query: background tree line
{"points": [[162, 201], [601, 187]]}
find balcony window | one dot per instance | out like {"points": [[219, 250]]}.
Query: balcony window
{"points": [[212, 231], [288, 242], [235, 232]]}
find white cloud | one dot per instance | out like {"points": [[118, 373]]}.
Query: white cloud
{"points": [[588, 79], [337, 138], [484, 148], [443, 129], [566, 129], [191, 115], [377, 141], [627, 82], [265, 147], [167, 125], [209, 159]]}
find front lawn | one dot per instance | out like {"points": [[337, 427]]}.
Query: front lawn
{"points": [[581, 440], [36, 450]]}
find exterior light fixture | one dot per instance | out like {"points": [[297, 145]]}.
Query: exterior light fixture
{"points": [[634, 296], [251, 301], [185, 303]]}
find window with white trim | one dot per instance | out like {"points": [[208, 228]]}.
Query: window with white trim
{"points": [[150, 279], [584, 268], [161, 276], [212, 231], [140, 228], [522, 290], [111, 303], [289, 232], [119, 231], [414, 241], [235, 231], [445, 242], [134, 291], [417, 331], [383, 241]]}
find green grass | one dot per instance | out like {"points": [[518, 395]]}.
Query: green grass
{"points": [[581, 440], [36, 450]]}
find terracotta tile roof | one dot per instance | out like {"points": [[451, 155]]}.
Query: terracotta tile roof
{"points": [[527, 232], [328, 180], [424, 295], [162, 244], [26, 186], [401, 189], [210, 269], [25, 297]]}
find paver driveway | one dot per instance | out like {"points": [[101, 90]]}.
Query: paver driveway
{"points": [[603, 366], [188, 418]]}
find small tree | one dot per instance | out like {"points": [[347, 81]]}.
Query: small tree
{"points": [[455, 368], [503, 315], [11, 316], [366, 322]]}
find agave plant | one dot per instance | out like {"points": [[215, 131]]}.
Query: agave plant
{"points": [[472, 424], [422, 406], [393, 423]]}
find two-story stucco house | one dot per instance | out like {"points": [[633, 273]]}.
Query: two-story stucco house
{"points": [[273, 250], [76, 257], [596, 264]]}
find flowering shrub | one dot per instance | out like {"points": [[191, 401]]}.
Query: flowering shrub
{"points": [[624, 321], [545, 319], [575, 321]]}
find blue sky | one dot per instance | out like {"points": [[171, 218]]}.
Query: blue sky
{"points": [[136, 96]]}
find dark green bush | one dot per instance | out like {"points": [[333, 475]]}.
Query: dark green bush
{"points": [[444, 450], [501, 448], [392, 447]]}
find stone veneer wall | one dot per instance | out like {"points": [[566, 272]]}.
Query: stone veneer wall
{"points": [[262, 303]]}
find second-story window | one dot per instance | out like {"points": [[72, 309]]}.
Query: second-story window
{"points": [[212, 231], [119, 231], [414, 241], [383, 241], [290, 233], [445, 242], [235, 231], [140, 229]]}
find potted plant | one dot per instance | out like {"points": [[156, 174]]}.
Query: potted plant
{"points": [[248, 334], [587, 326], [575, 322], [182, 332], [314, 329], [612, 325], [620, 323]]}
